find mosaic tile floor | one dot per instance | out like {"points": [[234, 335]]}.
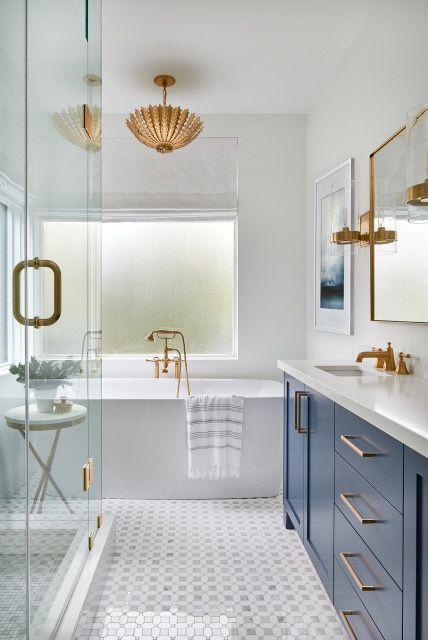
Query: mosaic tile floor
{"points": [[55, 533], [207, 569], [48, 549]]}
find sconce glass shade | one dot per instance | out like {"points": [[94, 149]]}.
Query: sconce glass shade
{"points": [[345, 231], [417, 163], [385, 217]]}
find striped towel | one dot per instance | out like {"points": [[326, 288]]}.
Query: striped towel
{"points": [[214, 436]]}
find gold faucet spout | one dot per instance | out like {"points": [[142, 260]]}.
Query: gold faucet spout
{"points": [[385, 358], [369, 354]]}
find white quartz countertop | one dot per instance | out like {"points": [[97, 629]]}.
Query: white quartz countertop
{"points": [[397, 405]]}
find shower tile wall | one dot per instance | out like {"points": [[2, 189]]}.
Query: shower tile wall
{"points": [[207, 569]]}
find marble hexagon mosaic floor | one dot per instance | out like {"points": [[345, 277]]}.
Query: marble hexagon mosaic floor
{"points": [[207, 569]]}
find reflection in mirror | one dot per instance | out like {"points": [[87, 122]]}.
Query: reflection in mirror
{"points": [[399, 274]]}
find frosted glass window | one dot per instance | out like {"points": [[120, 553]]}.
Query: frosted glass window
{"points": [[69, 244], [169, 275], [156, 275], [3, 284]]}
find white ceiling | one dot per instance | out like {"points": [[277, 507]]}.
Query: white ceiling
{"points": [[229, 56]]}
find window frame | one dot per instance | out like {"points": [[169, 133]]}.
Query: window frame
{"points": [[12, 198], [140, 218]]}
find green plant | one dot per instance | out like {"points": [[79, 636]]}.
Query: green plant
{"points": [[46, 370]]}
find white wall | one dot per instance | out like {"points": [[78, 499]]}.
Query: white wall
{"points": [[271, 270], [383, 74]]}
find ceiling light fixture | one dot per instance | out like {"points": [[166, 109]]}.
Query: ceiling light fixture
{"points": [[163, 127], [81, 125]]}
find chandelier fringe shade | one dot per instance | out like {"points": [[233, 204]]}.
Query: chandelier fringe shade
{"points": [[164, 127], [70, 123]]}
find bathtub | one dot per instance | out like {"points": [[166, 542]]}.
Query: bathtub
{"points": [[145, 446]]}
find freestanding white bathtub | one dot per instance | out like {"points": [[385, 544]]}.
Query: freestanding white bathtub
{"points": [[145, 446]]}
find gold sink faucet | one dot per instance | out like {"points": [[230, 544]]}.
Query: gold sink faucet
{"points": [[177, 360], [385, 358]]}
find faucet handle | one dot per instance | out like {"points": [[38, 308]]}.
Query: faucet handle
{"points": [[402, 369]]}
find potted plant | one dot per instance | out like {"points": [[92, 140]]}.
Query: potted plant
{"points": [[45, 375]]}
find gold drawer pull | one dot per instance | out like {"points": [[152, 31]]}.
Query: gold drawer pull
{"points": [[364, 454], [298, 411], [362, 587], [344, 614], [361, 519], [37, 263]]}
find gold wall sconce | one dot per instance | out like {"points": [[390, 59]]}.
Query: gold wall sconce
{"points": [[347, 236], [381, 235]]}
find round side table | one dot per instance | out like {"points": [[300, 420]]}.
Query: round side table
{"points": [[15, 419]]}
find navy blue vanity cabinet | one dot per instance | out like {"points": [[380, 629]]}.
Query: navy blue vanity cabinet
{"points": [[294, 446], [415, 567], [309, 473], [358, 498], [318, 520]]}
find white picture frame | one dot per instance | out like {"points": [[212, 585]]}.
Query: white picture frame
{"points": [[333, 265]]}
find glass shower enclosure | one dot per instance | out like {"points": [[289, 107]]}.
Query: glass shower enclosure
{"points": [[50, 324]]}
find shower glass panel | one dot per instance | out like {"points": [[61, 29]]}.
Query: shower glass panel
{"points": [[50, 417], [13, 502]]}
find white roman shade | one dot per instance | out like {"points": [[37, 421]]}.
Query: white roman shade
{"points": [[199, 180]]}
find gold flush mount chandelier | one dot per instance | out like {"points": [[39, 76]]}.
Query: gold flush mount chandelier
{"points": [[81, 125], [163, 127]]}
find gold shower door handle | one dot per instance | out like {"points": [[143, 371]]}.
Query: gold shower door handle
{"points": [[37, 263]]}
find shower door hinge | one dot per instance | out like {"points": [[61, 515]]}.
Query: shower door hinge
{"points": [[99, 520], [90, 541]]}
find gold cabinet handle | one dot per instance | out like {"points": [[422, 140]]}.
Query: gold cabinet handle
{"points": [[361, 519], [345, 615], [348, 440], [345, 559], [37, 263], [298, 411]]}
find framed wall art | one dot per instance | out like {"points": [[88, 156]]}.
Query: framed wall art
{"points": [[333, 263]]}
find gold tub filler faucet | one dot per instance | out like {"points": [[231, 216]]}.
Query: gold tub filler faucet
{"points": [[165, 361]]}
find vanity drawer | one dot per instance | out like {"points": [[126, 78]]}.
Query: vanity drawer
{"points": [[374, 586], [375, 455], [361, 504], [351, 610]]}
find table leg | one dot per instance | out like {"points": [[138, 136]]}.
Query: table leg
{"points": [[49, 467], [43, 480], [36, 495], [47, 473]]}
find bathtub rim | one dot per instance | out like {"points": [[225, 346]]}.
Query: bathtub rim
{"points": [[274, 391]]}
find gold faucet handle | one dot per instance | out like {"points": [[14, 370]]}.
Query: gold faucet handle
{"points": [[402, 369]]}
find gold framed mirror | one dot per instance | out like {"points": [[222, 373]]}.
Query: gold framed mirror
{"points": [[398, 248]]}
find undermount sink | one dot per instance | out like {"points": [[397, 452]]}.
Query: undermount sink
{"points": [[346, 371]]}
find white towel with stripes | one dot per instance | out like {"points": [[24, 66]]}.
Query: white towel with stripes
{"points": [[214, 436]]}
